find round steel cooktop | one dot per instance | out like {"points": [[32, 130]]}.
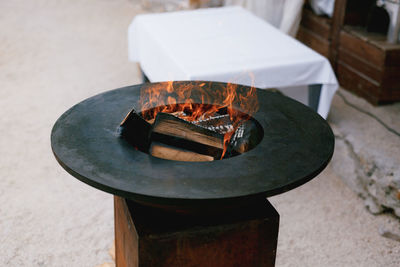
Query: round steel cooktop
{"points": [[296, 146]]}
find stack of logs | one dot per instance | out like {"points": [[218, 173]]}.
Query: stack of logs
{"points": [[170, 137]]}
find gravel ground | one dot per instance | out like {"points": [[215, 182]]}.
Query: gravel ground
{"points": [[54, 54]]}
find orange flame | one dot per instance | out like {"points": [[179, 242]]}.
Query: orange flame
{"points": [[194, 101]]}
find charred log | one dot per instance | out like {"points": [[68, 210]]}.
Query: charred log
{"points": [[135, 130], [244, 138]]}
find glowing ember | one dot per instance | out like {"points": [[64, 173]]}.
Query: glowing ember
{"points": [[197, 102]]}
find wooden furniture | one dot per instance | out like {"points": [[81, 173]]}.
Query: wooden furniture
{"points": [[149, 237], [315, 32], [364, 62], [320, 32], [369, 66]]}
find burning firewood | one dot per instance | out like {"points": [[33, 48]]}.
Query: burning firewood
{"points": [[220, 123], [243, 139], [173, 131], [170, 137]]}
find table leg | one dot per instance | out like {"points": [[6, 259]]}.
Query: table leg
{"points": [[314, 92], [145, 79], [152, 237]]}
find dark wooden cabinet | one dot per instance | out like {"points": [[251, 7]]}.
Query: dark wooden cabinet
{"points": [[364, 62], [368, 66], [321, 32], [315, 32]]}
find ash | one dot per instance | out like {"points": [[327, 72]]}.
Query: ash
{"points": [[220, 124], [237, 135]]}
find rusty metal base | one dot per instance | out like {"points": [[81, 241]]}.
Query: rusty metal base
{"points": [[150, 237]]}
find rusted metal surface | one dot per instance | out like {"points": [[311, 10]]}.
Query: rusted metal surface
{"points": [[126, 239], [247, 237]]}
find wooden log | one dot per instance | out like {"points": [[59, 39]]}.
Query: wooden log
{"points": [[244, 138], [220, 123], [172, 153], [136, 131], [173, 131], [173, 138]]}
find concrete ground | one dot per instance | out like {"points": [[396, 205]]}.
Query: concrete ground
{"points": [[367, 150], [54, 54]]}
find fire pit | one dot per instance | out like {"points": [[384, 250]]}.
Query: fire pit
{"points": [[177, 121], [293, 145]]}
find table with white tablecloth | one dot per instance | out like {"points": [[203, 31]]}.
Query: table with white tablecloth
{"points": [[227, 44]]}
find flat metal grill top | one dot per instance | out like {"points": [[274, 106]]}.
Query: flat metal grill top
{"points": [[296, 146]]}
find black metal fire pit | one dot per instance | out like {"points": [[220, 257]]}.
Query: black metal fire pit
{"points": [[175, 213], [296, 146]]}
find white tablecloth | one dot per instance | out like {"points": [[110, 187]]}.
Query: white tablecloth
{"points": [[226, 44]]}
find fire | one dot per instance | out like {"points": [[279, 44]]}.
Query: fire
{"points": [[193, 101]]}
